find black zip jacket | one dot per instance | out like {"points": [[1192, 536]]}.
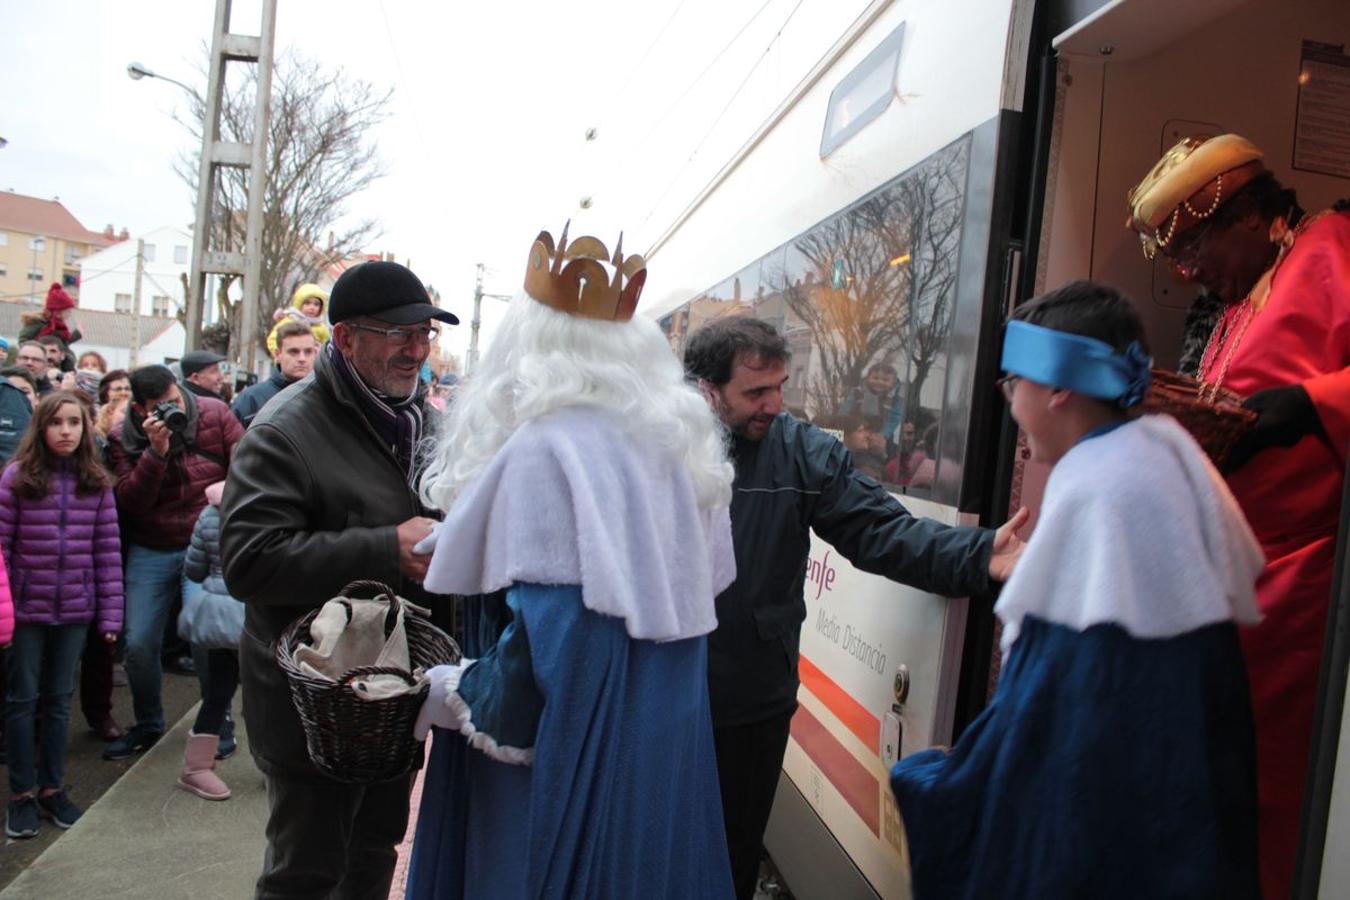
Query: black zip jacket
{"points": [[798, 479], [313, 502]]}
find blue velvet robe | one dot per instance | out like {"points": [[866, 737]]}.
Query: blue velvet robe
{"points": [[622, 798], [1106, 766]]}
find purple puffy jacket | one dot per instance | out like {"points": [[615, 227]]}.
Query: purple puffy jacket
{"points": [[63, 553]]}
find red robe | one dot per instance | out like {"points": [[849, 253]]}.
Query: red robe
{"points": [[1292, 498]]}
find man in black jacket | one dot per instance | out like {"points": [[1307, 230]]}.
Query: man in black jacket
{"points": [[321, 494], [296, 352], [201, 373], [791, 479]]}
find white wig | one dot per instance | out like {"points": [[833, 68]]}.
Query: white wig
{"points": [[541, 360]]}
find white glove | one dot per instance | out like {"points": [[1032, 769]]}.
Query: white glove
{"points": [[428, 543], [437, 709]]}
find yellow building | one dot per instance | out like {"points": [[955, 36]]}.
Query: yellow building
{"points": [[41, 242]]}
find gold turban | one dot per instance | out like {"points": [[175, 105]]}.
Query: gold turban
{"points": [[1188, 184]]}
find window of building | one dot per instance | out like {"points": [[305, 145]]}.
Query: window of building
{"points": [[4, 270], [159, 306], [4, 238], [34, 274], [122, 303], [37, 243], [179, 255], [72, 254], [149, 252]]}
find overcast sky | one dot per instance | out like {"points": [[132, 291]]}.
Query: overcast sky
{"points": [[485, 141]]}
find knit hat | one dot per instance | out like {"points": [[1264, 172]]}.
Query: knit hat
{"points": [[307, 291], [58, 299]]}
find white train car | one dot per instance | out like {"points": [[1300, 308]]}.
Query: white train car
{"points": [[903, 174]]}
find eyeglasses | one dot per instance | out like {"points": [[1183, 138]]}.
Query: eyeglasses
{"points": [[1188, 245], [397, 337], [1006, 385]]}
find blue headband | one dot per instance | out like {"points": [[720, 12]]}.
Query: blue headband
{"points": [[1080, 364]]}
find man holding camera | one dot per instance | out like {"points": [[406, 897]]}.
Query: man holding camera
{"points": [[172, 444]]}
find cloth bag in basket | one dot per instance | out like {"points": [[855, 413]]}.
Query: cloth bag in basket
{"points": [[349, 634]]}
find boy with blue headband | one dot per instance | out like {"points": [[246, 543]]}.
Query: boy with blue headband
{"points": [[1116, 758]]}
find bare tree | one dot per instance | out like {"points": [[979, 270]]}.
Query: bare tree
{"points": [[320, 154], [876, 282]]}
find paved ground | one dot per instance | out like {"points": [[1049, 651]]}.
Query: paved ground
{"points": [[87, 775], [143, 838]]}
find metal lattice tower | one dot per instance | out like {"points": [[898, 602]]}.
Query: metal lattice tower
{"points": [[227, 48]]}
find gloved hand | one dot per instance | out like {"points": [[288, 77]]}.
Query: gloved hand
{"points": [[436, 709], [1284, 416]]}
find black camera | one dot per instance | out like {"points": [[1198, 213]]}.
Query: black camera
{"points": [[172, 415]]}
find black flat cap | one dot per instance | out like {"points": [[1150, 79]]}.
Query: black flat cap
{"points": [[198, 360], [386, 291]]}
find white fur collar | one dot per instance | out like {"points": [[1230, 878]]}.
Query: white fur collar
{"points": [[1139, 530], [573, 498]]}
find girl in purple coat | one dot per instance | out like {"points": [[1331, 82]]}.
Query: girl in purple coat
{"points": [[58, 535]]}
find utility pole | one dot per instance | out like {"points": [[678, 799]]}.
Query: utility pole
{"points": [[471, 362], [136, 305], [38, 245], [216, 153]]}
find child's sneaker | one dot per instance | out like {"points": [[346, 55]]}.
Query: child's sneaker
{"points": [[21, 818], [59, 809], [227, 742]]}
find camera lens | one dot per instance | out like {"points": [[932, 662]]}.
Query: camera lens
{"points": [[172, 415]]}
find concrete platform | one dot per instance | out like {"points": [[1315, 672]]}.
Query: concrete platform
{"points": [[148, 839]]}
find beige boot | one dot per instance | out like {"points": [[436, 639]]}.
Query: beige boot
{"points": [[199, 763]]}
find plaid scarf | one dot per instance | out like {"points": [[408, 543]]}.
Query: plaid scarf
{"points": [[397, 422]]}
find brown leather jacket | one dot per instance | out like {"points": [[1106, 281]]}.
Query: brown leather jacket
{"points": [[313, 503]]}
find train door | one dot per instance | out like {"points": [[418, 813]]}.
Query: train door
{"points": [[1131, 79]]}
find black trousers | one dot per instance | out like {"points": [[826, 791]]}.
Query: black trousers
{"points": [[749, 760], [96, 677], [332, 841], [218, 674]]}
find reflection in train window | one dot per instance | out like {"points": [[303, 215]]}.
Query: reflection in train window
{"points": [[865, 301]]}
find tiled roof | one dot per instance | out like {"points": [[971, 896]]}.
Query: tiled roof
{"points": [[107, 329], [33, 215]]}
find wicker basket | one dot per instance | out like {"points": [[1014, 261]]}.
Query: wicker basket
{"points": [[351, 739], [1214, 417]]}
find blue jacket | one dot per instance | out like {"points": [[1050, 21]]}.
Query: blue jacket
{"points": [[15, 412], [250, 402]]}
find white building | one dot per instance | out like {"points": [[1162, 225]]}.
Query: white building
{"points": [[108, 276], [108, 286]]}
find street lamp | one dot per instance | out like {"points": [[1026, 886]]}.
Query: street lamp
{"points": [[136, 71]]}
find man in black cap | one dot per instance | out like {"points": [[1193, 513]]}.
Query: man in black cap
{"points": [[322, 493], [201, 373]]}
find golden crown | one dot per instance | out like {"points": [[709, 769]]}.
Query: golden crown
{"points": [[572, 278]]}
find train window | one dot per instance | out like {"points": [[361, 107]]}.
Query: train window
{"points": [[865, 300], [864, 93]]}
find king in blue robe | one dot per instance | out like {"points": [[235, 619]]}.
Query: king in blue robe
{"points": [[572, 754]]}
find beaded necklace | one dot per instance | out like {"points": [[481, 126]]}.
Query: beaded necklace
{"points": [[1282, 235]]}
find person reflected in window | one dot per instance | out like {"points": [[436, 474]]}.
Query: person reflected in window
{"points": [[881, 397]]}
